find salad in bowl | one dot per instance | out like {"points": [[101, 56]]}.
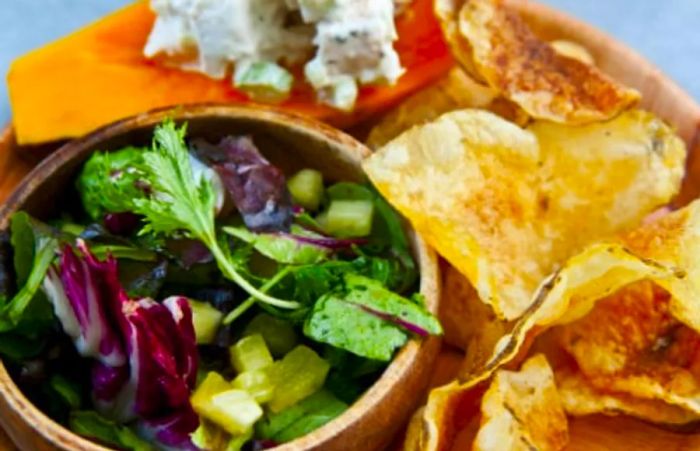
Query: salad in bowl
{"points": [[190, 294]]}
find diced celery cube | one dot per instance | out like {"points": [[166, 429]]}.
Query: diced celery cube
{"points": [[257, 383], [237, 442], [322, 221], [299, 374], [350, 218], [306, 187], [264, 81], [235, 411], [206, 320], [279, 334], [250, 353], [213, 384]]}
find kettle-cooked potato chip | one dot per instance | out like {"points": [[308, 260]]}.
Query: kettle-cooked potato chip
{"points": [[508, 206], [454, 91], [665, 252], [522, 411], [579, 398], [514, 410], [630, 343], [495, 45]]}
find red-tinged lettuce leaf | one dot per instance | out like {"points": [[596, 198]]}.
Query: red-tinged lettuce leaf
{"points": [[145, 352], [257, 188], [81, 292]]}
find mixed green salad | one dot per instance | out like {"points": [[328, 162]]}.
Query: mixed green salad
{"points": [[196, 298]]}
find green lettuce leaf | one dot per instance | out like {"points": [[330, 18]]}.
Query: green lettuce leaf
{"points": [[92, 425], [280, 248], [111, 181], [301, 418], [35, 246], [367, 319]]}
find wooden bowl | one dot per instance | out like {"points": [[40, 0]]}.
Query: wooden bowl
{"points": [[291, 143]]}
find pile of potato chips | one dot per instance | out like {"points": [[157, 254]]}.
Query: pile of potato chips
{"points": [[571, 287]]}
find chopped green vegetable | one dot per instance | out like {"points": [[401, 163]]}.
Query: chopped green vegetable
{"points": [[257, 383], [92, 425], [280, 248], [264, 81], [250, 353], [350, 218], [206, 320], [208, 436], [236, 443], [301, 418], [110, 181], [306, 188], [212, 384], [234, 410], [279, 334], [299, 374]]}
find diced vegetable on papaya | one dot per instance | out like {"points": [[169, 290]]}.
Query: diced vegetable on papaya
{"points": [[98, 75]]}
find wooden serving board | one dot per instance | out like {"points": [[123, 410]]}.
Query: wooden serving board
{"points": [[661, 95]]}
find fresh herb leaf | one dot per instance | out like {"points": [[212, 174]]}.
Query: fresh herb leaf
{"points": [[92, 425], [280, 248], [185, 203]]}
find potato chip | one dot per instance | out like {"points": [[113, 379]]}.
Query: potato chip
{"points": [[667, 252], [454, 91], [495, 45], [508, 206], [573, 50], [522, 411], [630, 343], [515, 409], [579, 398]]}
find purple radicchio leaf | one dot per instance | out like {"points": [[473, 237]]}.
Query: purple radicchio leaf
{"points": [[123, 224], [257, 188], [145, 352], [80, 293]]}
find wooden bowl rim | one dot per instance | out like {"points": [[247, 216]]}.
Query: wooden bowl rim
{"points": [[415, 352]]}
